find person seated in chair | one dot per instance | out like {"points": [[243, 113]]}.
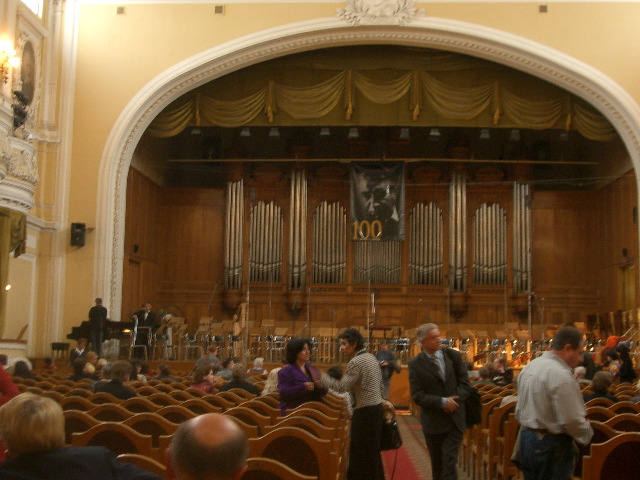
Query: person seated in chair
{"points": [[238, 381], [80, 371], [32, 428], [120, 373], [600, 385]]}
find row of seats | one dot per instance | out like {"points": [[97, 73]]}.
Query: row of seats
{"points": [[311, 440], [487, 447]]}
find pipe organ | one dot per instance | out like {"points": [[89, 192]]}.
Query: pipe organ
{"points": [[298, 231], [458, 232], [426, 249], [490, 245], [233, 245], [376, 262], [265, 243], [329, 260], [521, 238]]}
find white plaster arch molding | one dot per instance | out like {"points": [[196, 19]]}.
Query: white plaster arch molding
{"points": [[501, 47]]}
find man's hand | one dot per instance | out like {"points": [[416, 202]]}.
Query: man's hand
{"points": [[451, 405]]}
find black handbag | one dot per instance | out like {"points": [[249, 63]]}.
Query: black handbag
{"points": [[391, 439]]}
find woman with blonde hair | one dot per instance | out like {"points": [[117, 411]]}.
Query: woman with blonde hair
{"points": [[32, 428]]}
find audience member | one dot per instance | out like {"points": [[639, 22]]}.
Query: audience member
{"points": [[611, 362], [227, 369], [589, 365], [79, 351], [204, 379], [79, 366], [471, 372], [50, 364], [271, 385], [97, 319], [120, 374], [502, 375], [388, 365], [8, 390], [238, 380], [485, 372], [580, 373], [21, 369], [105, 375], [336, 372], [208, 447], [32, 427], [165, 372], [298, 381], [209, 358], [627, 373], [258, 366], [600, 385]]}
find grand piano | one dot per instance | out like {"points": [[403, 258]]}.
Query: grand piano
{"points": [[112, 329]]}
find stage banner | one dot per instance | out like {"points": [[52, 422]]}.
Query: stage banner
{"points": [[377, 202]]}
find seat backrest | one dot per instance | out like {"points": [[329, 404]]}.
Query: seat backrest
{"points": [[144, 462], [151, 424], [76, 403], [140, 405], [624, 422], [110, 412], [101, 398], [218, 401], [116, 437], [163, 399], [305, 423], [76, 421], [601, 433], [625, 407], [176, 413], [616, 458], [242, 393], [331, 422], [599, 413], [250, 416], [200, 407], [270, 469], [602, 401], [298, 449]]}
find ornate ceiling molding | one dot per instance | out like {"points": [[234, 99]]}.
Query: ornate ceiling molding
{"points": [[501, 47]]}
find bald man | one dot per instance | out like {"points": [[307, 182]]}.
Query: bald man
{"points": [[208, 447]]}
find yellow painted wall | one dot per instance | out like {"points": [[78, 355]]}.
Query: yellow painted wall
{"points": [[118, 54]]}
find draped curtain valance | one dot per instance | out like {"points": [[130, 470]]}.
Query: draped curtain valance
{"points": [[382, 97]]}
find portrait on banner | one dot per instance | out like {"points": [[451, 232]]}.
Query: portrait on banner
{"points": [[377, 202]]}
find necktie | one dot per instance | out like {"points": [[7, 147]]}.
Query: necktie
{"points": [[436, 364]]}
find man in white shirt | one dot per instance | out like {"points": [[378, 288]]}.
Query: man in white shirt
{"points": [[551, 411]]}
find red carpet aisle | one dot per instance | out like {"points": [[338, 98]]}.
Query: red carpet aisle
{"points": [[412, 461]]}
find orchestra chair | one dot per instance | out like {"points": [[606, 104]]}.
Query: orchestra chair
{"points": [[298, 449], [76, 421], [615, 459], [116, 437], [601, 433], [270, 469], [624, 422], [146, 463]]}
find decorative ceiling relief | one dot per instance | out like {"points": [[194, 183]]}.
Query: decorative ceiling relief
{"points": [[379, 12]]}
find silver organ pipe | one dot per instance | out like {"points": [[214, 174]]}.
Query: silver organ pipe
{"points": [[489, 245], [426, 252], [297, 229], [234, 235], [329, 243], [521, 238], [265, 248], [457, 232]]}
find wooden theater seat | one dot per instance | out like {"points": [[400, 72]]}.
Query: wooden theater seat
{"points": [[76, 421], [269, 469], [146, 463], [615, 459], [116, 437]]}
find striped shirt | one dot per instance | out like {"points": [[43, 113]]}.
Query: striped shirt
{"points": [[362, 379]]}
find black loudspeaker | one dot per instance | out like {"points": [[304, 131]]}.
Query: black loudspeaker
{"points": [[77, 234]]}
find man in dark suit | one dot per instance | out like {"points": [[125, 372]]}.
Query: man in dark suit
{"points": [[146, 318], [97, 318], [32, 427], [439, 384]]}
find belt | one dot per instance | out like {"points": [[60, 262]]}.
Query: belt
{"points": [[542, 431]]}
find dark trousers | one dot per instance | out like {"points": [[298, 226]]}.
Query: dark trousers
{"points": [[546, 457], [365, 462], [96, 341], [443, 449]]}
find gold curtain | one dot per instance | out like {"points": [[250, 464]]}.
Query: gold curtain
{"points": [[13, 238], [419, 98]]}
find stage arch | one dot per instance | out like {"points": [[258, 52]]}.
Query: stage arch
{"points": [[504, 48]]}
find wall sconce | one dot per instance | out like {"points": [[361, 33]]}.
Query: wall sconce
{"points": [[8, 59], [353, 133], [485, 134], [245, 132], [325, 132], [434, 134], [514, 136], [404, 134], [274, 132]]}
